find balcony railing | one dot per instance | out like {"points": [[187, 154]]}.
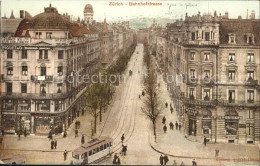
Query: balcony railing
{"points": [[34, 95], [239, 103], [191, 101], [251, 81]]}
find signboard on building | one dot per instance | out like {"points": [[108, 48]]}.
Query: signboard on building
{"points": [[227, 117], [19, 40]]}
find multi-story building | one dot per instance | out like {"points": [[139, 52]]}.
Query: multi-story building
{"points": [[218, 60], [41, 61]]}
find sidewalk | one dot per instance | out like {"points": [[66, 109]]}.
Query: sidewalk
{"points": [[174, 143]]}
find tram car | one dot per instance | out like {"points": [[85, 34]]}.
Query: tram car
{"points": [[92, 150]]}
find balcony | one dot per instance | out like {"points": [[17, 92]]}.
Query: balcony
{"points": [[192, 81], [251, 82], [47, 78], [34, 95], [208, 81], [248, 103]]}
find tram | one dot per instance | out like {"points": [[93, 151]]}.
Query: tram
{"points": [[92, 151]]}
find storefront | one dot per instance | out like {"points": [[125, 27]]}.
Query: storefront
{"points": [[206, 122], [192, 121]]}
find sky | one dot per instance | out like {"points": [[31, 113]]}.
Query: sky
{"points": [[170, 9]]}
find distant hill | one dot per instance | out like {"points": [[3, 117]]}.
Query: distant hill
{"points": [[144, 22]]}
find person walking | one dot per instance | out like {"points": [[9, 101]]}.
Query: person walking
{"points": [[217, 152], [139, 96], [174, 163], [166, 159], [164, 128], [83, 139], [76, 133], [171, 105], [171, 126], [176, 125], [182, 164], [3, 132], [65, 134], [19, 135], [123, 138], [166, 104], [55, 143], [194, 163], [52, 144], [118, 162], [25, 132], [161, 159], [163, 120], [115, 159], [50, 136], [180, 126], [171, 110], [65, 153], [205, 141]]}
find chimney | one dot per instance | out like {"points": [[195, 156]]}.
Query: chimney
{"points": [[226, 15], [239, 17], [21, 13], [252, 16]]}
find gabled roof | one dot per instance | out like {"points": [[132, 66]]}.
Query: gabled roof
{"points": [[240, 28]]}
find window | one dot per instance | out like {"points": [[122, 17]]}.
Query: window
{"points": [[250, 129], [193, 36], [231, 75], [250, 57], [58, 105], [24, 70], [9, 54], [192, 93], [48, 35], [192, 73], [24, 88], [40, 54], [101, 147], [231, 123], [250, 75], [207, 36], [206, 74], [250, 114], [231, 96], [192, 56], [38, 35], [60, 54], [45, 54], [206, 57], [60, 70], [108, 145], [206, 94], [232, 39], [97, 149], [24, 54], [10, 70], [105, 146], [250, 96], [59, 86], [90, 153], [231, 57], [42, 88], [43, 71], [206, 122], [9, 88]]}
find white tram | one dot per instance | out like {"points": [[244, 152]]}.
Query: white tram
{"points": [[92, 151]]}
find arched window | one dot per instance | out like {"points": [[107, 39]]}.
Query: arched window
{"points": [[9, 68], [231, 122]]}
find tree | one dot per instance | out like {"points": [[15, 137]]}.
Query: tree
{"points": [[152, 104]]}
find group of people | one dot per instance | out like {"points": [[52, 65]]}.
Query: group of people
{"points": [[171, 108], [177, 125], [53, 144], [163, 159]]}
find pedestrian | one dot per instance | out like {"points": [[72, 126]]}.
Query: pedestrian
{"points": [[171, 110], [174, 163], [52, 144], [166, 159], [139, 96], [182, 164], [55, 143], [124, 149], [65, 153], [76, 133], [118, 162], [24, 132], [166, 104], [161, 159], [163, 120], [115, 159], [122, 138], [164, 128], [65, 134], [194, 163], [217, 152], [176, 125], [3, 132], [82, 112], [171, 105], [19, 135], [83, 139], [180, 126], [205, 141]]}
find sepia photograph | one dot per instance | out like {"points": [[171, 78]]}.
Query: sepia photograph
{"points": [[130, 82]]}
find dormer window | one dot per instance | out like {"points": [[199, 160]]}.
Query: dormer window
{"points": [[38, 35], [232, 39], [48, 35], [231, 57], [250, 38]]}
